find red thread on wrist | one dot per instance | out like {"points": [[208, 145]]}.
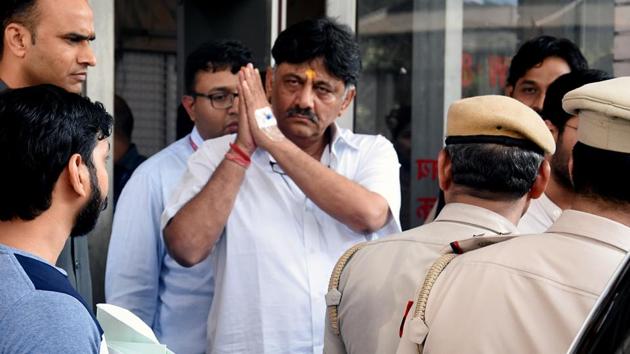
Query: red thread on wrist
{"points": [[237, 159], [240, 152], [238, 156]]}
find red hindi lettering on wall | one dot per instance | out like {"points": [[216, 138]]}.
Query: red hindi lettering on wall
{"points": [[426, 168], [498, 66], [468, 71]]}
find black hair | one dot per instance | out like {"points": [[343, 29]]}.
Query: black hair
{"points": [[215, 56], [184, 124], [41, 127], [20, 11], [494, 171], [536, 50], [601, 174], [552, 107], [321, 38], [123, 118]]}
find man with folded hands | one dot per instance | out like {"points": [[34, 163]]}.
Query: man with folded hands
{"points": [[281, 200]]}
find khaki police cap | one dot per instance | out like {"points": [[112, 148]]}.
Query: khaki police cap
{"points": [[604, 111], [499, 119]]}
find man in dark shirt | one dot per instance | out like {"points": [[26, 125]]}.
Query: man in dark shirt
{"points": [[126, 155]]}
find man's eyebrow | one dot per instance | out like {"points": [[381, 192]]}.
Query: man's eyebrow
{"points": [[222, 89], [323, 82], [529, 82], [80, 37], [293, 76]]}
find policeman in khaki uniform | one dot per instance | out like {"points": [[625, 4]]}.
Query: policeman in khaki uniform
{"points": [[532, 293], [491, 167]]}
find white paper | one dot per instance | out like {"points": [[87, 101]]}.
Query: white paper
{"points": [[126, 333]]}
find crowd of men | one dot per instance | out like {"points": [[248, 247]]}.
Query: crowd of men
{"points": [[271, 229]]}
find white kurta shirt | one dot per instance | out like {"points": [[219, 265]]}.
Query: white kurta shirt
{"points": [[540, 215], [140, 275], [277, 251]]}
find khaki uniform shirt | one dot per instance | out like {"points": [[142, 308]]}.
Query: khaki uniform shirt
{"points": [[380, 279], [530, 294]]}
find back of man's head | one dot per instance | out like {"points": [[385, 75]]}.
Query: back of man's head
{"points": [[552, 107], [601, 157], [123, 119], [19, 11], [496, 145], [321, 38], [215, 56], [536, 50], [41, 127]]}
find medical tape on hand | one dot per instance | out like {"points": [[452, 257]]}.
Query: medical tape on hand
{"points": [[265, 118]]}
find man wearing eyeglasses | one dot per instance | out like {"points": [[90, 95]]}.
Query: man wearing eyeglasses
{"points": [[140, 275], [559, 193], [278, 203]]}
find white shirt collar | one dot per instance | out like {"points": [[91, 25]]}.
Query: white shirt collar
{"points": [[550, 207], [196, 137], [341, 136]]}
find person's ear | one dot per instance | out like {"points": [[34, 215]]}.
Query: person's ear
{"points": [[16, 39], [445, 173], [540, 184], [509, 90], [349, 96], [78, 175], [187, 103], [553, 129], [268, 82]]}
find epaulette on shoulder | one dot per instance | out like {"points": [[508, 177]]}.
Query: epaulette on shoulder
{"points": [[429, 280], [416, 329], [333, 297], [418, 320]]}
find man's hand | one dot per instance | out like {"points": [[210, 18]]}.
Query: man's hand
{"points": [[254, 98], [244, 137]]}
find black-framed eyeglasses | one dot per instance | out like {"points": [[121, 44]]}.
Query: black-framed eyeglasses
{"points": [[219, 100]]}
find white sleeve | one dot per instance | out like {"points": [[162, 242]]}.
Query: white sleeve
{"points": [[379, 172], [199, 169], [136, 248]]}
